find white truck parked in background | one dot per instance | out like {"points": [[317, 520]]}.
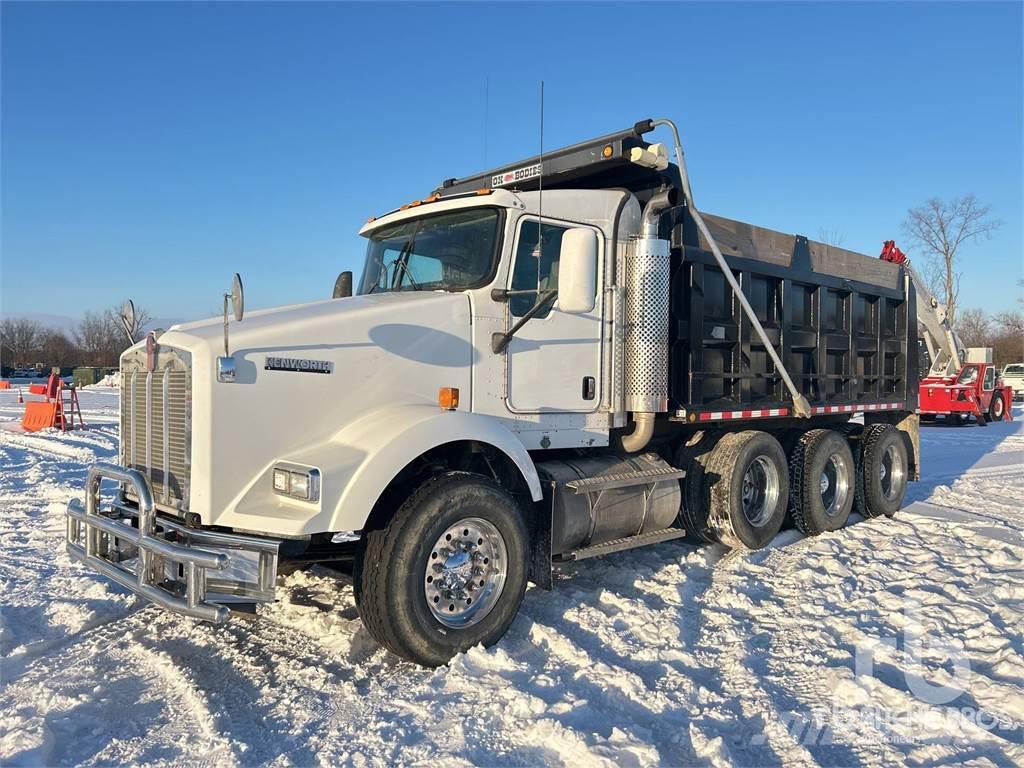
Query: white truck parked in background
{"points": [[556, 359], [1013, 375]]}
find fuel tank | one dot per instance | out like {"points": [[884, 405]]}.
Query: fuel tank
{"points": [[589, 519]]}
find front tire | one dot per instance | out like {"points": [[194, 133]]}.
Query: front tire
{"points": [[996, 409], [448, 572]]}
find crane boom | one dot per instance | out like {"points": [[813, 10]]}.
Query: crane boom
{"points": [[945, 350]]}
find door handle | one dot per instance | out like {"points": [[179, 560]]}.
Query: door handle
{"points": [[589, 388]]}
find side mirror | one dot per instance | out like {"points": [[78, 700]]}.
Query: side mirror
{"points": [[127, 318], [237, 297], [577, 271], [343, 286]]}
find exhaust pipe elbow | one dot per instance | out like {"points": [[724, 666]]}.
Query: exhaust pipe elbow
{"points": [[643, 430], [657, 205]]}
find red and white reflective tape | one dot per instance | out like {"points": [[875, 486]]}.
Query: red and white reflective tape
{"points": [[755, 414], [770, 412], [856, 408]]}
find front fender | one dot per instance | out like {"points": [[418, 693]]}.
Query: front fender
{"points": [[390, 439], [359, 462]]}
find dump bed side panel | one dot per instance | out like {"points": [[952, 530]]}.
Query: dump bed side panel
{"points": [[844, 323]]}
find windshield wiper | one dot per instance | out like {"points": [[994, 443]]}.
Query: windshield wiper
{"points": [[405, 269]]}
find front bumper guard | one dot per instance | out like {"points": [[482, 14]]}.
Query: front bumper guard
{"points": [[196, 573]]}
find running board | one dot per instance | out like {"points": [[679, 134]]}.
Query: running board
{"points": [[620, 545], [624, 480]]}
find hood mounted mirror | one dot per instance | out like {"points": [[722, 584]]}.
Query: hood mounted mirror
{"points": [[128, 318]]}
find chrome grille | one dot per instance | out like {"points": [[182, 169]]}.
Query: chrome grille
{"points": [[156, 423]]}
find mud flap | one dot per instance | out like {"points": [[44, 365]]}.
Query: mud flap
{"points": [[910, 427], [540, 543]]}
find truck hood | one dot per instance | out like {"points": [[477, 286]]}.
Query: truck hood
{"points": [[304, 373]]}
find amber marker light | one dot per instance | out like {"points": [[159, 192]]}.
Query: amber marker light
{"points": [[448, 398]]}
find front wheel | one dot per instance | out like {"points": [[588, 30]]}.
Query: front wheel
{"points": [[448, 572], [997, 409]]}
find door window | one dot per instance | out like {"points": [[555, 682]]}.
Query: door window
{"points": [[536, 265], [990, 379]]}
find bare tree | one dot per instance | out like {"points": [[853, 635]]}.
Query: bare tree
{"points": [[940, 228], [832, 237], [57, 349], [1011, 323], [1008, 338], [100, 338], [974, 328], [20, 337]]}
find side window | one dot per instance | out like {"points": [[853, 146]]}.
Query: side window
{"points": [[536, 265], [990, 378]]}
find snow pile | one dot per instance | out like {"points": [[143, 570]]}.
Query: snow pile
{"points": [[108, 381], [843, 649]]}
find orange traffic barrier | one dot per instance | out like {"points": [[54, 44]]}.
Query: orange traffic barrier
{"points": [[5, 384], [37, 389], [39, 416]]}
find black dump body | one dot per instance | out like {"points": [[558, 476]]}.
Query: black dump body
{"points": [[845, 324]]}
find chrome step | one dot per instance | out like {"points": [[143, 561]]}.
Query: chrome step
{"points": [[620, 545], [624, 480]]}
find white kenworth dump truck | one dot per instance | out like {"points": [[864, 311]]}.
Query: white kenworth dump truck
{"points": [[556, 359]]}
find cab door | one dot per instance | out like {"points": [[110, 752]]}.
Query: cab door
{"points": [[554, 360]]}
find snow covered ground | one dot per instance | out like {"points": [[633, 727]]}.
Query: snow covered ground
{"points": [[892, 641]]}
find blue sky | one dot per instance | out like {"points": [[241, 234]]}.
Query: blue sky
{"points": [[150, 150]]}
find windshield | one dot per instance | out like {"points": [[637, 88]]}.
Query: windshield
{"points": [[450, 252], [968, 375], [1014, 369]]}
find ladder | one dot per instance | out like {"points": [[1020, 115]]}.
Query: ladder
{"points": [[67, 407]]}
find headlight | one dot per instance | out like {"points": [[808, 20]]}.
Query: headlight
{"points": [[301, 483]]}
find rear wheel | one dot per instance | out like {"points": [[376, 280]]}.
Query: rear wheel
{"points": [[448, 572], [694, 512], [747, 487], [997, 408], [884, 470], [822, 482]]}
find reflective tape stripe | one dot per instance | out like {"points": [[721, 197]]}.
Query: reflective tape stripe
{"points": [[763, 413]]}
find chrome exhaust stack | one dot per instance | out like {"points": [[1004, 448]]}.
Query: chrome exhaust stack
{"points": [[648, 294]]}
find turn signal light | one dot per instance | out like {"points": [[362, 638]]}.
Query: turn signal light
{"points": [[448, 398]]}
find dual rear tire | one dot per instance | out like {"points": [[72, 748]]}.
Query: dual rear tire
{"points": [[740, 486], [736, 490]]}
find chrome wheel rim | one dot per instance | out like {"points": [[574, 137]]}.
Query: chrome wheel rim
{"points": [[835, 484], [759, 493], [891, 472], [465, 572], [998, 409]]}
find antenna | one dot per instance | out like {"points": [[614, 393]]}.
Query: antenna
{"points": [[487, 111], [540, 192]]}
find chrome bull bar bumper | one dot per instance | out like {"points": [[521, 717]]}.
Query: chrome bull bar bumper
{"points": [[193, 572]]}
